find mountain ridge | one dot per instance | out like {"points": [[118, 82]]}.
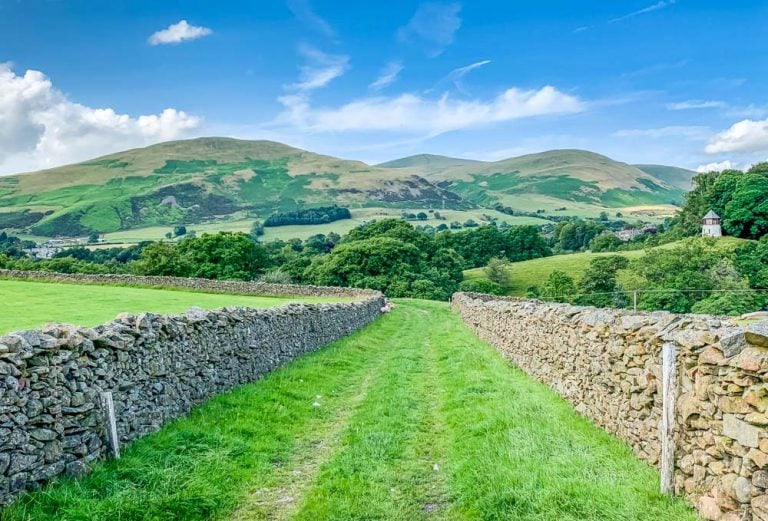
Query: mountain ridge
{"points": [[223, 178]]}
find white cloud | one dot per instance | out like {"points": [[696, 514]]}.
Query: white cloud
{"points": [[303, 12], [715, 167], [689, 132], [432, 27], [320, 70], [415, 114], [387, 76], [651, 8], [40, 127], [745, 136], [697, 104], [177, 33]]}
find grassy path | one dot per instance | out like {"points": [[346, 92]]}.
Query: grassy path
{"points": [[413, 418]]}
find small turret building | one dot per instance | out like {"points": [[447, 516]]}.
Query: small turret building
{"points": [[710, 225]]}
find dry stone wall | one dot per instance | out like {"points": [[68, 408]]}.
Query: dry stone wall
{"points": [[191, 284], [607, 363], [157, 367]]}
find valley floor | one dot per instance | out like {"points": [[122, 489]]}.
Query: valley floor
{"points": [[411, 418]]}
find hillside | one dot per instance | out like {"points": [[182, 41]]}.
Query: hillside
{"points": [[680, 177], [208, 180], [570, 176], [525, 274], [197, 180], [429, 163]]}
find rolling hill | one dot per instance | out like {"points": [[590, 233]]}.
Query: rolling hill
{"points": [[206, 180], [572, 176], [675, 176]]}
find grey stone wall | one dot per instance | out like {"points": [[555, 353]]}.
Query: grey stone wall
{"points": [[157, 367], [207, 285], [607, 363]]}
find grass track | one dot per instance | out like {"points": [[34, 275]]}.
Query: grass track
{"points": [[412, 418], [25, 304]]}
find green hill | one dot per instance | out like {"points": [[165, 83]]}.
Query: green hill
{"points": [[680, 177], [556, 177], [429, 163], [523, 275], [207, 181]]}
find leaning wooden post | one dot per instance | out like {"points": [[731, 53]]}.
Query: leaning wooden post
{"points": [[667, 427], [109, 409], [634, 300]]}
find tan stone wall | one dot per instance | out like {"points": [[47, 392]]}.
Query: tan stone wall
{"points": [[607, 363]]}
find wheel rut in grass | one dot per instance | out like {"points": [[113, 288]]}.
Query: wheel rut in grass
{"points": [[292, 477]]}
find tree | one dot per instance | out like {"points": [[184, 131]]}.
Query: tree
{"points": [[605, 242], [93, 238], [559, 287], [179, 231], [224, 255], [257, 230], [598, 286], [481, 286], [498, 271], [422, 216]]}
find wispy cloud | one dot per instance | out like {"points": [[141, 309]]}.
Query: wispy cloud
{"points": [[177, 33], [693, 132], [387, 76], [410, 113], [302, 10], [460, 72], [320, 68], [456, 75], [655, 69], [696, 105], [432, 27], [645, 10]]}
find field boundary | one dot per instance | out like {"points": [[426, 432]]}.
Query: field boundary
{"points": [[157, 367], [237, 287], [608, 364]]}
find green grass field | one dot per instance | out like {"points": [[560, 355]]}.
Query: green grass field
{"points": [[25, 305], [525, 274], [412, 418], [359, 216]]}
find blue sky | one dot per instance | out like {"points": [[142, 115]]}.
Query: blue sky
{"points": [[677, 82]]}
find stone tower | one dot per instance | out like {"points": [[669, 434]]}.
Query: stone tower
{"points": [[710, 225]]}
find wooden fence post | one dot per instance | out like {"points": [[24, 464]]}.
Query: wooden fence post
{"points": [[109, 409], [667, 427]]}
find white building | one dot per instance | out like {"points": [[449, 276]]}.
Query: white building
{"points": [[710, 225]]}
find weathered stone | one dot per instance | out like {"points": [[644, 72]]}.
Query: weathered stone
{"points": [[708, 508], [756, 419], [43, 434], [742, 489], [760, 479], [760, 508], [77, 468], [746, 434], [758, 457], [757, 334], [733, 342], [5, 461]]}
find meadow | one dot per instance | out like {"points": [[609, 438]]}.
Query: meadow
{"points": [[410, 418], [27, 305], [523, 275], [359, 216]]}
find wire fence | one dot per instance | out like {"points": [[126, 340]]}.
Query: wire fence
{"points": [[637, 293]]}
